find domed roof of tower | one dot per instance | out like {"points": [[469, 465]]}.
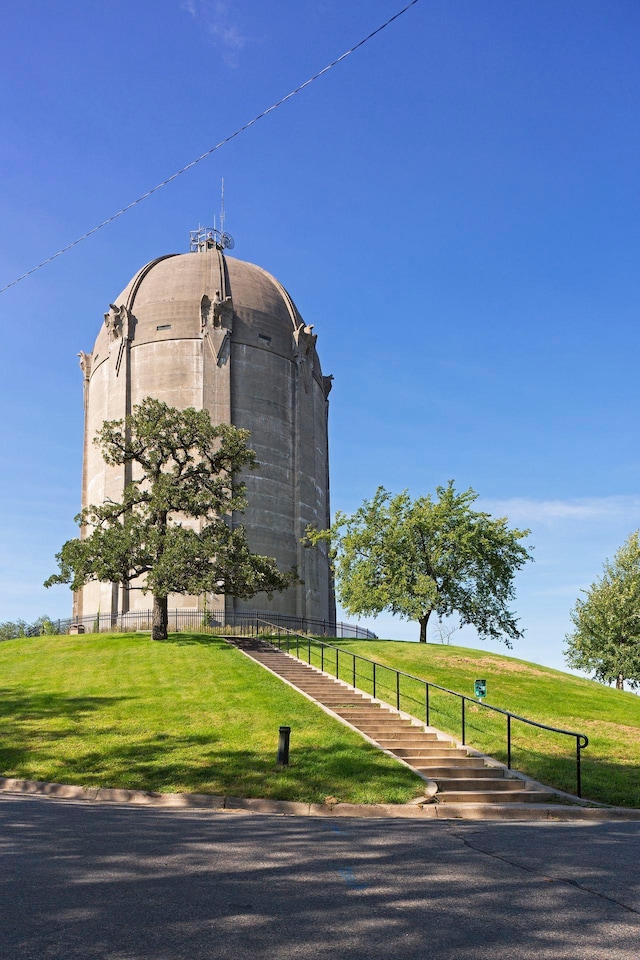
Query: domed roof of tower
{"points": [[170, 297]]}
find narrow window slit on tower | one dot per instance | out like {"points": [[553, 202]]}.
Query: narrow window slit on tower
{"points": [[264, 338], [164, 326]]}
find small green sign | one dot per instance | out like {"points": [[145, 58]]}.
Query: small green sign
{"points": [[480, 689]]}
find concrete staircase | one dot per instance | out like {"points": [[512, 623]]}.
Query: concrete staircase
{"points": [[461, 778]]}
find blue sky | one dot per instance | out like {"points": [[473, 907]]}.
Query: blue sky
{"points": [[455, 208]]}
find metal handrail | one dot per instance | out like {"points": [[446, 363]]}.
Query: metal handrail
{"points": [[582, 740]]}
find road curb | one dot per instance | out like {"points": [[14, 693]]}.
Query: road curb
{"points": [[288, 808]]}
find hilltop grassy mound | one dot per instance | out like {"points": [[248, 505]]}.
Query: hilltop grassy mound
{"points": [[609, 718], [191, 714]]}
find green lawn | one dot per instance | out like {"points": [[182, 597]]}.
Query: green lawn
{"points": [[190, 714], [610, 719], [194, 714]]}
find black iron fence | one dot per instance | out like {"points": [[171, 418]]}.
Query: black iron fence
{"points": [[208, 621], [418, 697]]}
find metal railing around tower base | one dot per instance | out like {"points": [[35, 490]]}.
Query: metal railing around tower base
{"points": [[207, 621]]}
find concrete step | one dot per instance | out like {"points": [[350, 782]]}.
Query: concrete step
{"points": [[335, 697], [444, 772], [367, 713], [310, 676], [290, 670], [368, 709], [361, 719], [331, 691], [464, 777], [381, 733], [412, 744], [389, 731], [338, 706], [493, 784], [319, 683], [493, 796], [307, 674], [440, 758], [303, 670], [395, 722], [390, 728], [427, 753], [419, 737], [442, 761]]}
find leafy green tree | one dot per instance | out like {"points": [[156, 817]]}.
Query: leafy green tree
{"points": [[606, 638], [424, 556], [181, 468], [11, 629], [44, 625]]}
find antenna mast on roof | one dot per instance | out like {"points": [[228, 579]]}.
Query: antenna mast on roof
{"points": [[208, 238], [224, 241]]}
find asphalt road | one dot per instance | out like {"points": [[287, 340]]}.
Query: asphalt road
{"points": [[122, 883]]}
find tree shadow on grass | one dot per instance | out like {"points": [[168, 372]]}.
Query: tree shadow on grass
{"points": [[50, 736], [16, 707], [203, 764], [37, 723]]}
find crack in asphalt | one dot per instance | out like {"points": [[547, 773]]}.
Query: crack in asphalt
{"points": [[535, 872]]}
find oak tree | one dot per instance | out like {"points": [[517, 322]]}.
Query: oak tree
{"points": [[172, 527], [429, 555]]}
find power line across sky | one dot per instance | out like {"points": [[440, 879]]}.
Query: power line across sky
{"points": [[211, 150]]}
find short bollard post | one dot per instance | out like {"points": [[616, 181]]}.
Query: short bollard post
{"points": [[283, 747]]}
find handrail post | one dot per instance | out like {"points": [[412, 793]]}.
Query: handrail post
{"points": [[426, 702], [374, 679], [354, 669], [397, 690], [509, 741], [463, 727], [309, 649], [322, 657], [337, 655], [578, 775]]}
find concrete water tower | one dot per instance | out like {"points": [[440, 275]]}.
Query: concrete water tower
{"points": [[204, 330]]}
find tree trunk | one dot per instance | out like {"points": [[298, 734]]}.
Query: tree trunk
{"points": [[620, 682], [423, 621], [160, 618]]}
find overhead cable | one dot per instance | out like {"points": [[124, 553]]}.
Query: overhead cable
{"points": [[208, 153]]}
